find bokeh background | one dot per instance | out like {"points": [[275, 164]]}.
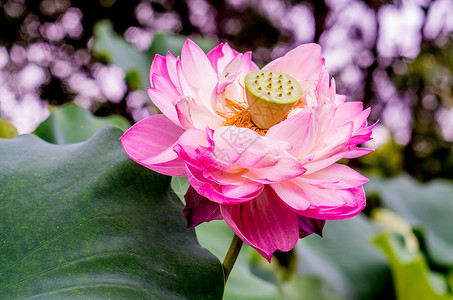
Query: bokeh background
{"points": [[394, 56]]}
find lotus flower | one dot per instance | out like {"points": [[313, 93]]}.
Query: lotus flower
{"points": [[259, 147]]}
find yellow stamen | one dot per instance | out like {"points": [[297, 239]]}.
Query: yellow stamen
{"points": [[239, 115]]}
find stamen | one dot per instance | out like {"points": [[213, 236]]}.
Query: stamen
{"points": [[239, 116]]}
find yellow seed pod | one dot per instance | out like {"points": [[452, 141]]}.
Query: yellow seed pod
{"points": [[270, 95]]}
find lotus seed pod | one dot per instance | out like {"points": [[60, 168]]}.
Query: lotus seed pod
{"points": [[270, 95]]}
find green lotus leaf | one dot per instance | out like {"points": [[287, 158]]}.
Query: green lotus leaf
{"points": [[347, 260], [7, 130], [242, 282], [71, 123], [426, 207], [412, 277], [83, 221]]}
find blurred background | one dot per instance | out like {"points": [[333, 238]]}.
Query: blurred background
{"points": [[394, 56]]}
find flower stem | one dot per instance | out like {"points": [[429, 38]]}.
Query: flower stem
{"points": [[231, 256]]}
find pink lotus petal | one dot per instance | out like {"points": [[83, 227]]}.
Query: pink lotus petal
{"points": [[332, 90], [164, 96], [183, 112], [354, 202], [339, 99], [290, 193], [158, 67], [224, 177], [337, 176], [348, 110], [199, 73], [270, 189], [357, 152], [199, 209], [244, 148], [210, 175], [322, 87], [303, 62], [360, 139], [236, 69], [187, 89], [247, 66], [264, 223], [172, 71], [230, 73], [333, 143], [222, 194], [315, 165], [154, 137], [221, 56], [286, 168], [299, 130], [193, 114], [309, 226], [194, 147], [321, 203], [240, 146]]}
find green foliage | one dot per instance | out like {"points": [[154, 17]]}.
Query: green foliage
{"points": [[412, 276], [308, 288], [83, 221], [216, 236], [180, 186], [70, 123], [426, 207], [386, 161], [343, 264], [242, 283], [112, 48], [347, 260], [423, 270], [7, 130]]}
